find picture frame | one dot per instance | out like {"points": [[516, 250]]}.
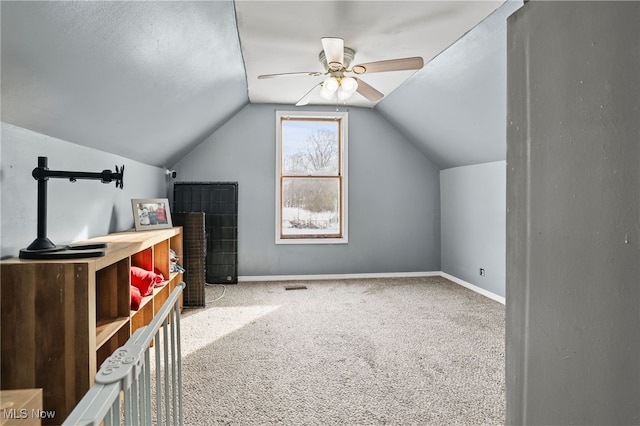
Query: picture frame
{"points": [[151, 213]]}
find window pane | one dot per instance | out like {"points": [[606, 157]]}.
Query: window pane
{"points": [[310, 147], [310, 206]]}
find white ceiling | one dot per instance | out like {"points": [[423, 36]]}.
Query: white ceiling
{"points": [[151, 80]]}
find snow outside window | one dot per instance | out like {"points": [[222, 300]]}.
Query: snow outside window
{"points": [[311, 178]]}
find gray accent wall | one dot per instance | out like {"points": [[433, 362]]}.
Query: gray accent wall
{"points": [[76, 211], [473, 224], [573, 221], [394, 197]]}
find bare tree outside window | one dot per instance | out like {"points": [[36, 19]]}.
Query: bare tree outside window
{"points": [[311, 192]]}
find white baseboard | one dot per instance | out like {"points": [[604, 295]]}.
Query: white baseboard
{"points": [[458, 281], [475, 288], [336, 276]]}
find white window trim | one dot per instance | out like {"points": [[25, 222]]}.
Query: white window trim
{"points": [[343, 115]]}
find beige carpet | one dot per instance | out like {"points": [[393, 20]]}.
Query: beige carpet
{"points": [[414, 351]]}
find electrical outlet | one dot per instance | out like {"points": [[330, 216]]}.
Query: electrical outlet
{"points": [[482, 272]]}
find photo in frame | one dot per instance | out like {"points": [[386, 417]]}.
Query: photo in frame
{"points": [[151, 213]]}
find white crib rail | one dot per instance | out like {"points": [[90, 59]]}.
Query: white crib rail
{"points": [[122, 393]]}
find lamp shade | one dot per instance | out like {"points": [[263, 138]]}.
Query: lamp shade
{"points": [[329, 87], [331, 84], [343, 94], [349, 85]]}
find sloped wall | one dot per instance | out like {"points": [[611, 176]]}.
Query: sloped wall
{"points": [[76, 211], [394, 198]]}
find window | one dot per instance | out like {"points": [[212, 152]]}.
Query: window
{"points": [[311, 187]]}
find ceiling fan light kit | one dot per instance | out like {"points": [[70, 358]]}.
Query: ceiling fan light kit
{"points": [[343, 87], [336, 59]]}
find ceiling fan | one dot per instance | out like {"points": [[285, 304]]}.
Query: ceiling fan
{"points": [[342, 81]]}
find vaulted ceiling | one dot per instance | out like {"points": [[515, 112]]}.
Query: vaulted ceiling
{"points": [[151, 80]]}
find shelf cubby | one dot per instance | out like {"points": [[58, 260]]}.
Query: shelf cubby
{"points": [[71, 314]]}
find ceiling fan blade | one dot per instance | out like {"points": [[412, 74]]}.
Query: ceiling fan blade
{"points": [[368, 91], [310, 95], [413, 63], [291, 74], [333, 51]]}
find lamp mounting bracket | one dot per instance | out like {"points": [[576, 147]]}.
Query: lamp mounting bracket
{"points": [[42, 247]]}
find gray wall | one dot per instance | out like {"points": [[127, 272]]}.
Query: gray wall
{"points": [[394, 198], [573, 218], [76, 211], [473, 224]]}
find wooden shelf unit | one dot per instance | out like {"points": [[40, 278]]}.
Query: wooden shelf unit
{"points": [[60, 319]]}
